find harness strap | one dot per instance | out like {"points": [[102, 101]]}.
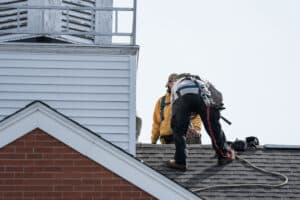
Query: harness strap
{"points": [[196, 85], [162, 107]]}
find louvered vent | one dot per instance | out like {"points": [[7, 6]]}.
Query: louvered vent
{"points": [[9, 16], [79, 20], [74, 21]]}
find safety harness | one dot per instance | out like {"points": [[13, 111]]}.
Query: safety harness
{"points": [[163, 103], [215, 99], [211, 96]]}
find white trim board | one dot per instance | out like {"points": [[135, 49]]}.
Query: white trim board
{"points": [[40, 115]]}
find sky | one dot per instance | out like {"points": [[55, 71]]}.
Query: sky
{"points": [[249, 49]]}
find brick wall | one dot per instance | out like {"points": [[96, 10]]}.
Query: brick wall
{"points": [[37, 166]]}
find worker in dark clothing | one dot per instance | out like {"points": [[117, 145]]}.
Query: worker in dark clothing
{"points": [[191, 95]]}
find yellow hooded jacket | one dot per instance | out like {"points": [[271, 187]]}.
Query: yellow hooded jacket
{"points": [[160, 128]]}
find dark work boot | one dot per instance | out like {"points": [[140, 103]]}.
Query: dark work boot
{"points": [[172, 164]]}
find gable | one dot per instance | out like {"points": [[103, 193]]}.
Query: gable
{"points": [[37, 166], [39, 115]]}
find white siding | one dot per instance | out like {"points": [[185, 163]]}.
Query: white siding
{"points": [[94, 87]]}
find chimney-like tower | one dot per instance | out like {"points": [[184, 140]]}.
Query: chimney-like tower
{"points": [[74, 56]]}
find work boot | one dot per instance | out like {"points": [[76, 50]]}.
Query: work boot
{"points": [[172, 164], [228, 159]]}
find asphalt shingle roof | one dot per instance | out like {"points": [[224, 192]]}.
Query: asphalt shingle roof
{"points": [[203, 171]]}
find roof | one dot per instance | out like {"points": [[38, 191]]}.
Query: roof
{"points": [[39, 115], [203, 171]]}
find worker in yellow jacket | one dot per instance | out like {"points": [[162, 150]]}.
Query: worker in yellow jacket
{"points": [[161, 127]]}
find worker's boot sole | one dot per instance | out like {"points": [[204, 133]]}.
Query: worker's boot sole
{"points": [[172, 164]]}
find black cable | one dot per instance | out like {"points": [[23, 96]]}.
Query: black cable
{"points": [[250, 184]]}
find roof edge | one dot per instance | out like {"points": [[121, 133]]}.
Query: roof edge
{"points": [[70, 48], [281, 147]]}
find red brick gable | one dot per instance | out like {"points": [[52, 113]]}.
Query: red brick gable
{"points": [[38, 166]]}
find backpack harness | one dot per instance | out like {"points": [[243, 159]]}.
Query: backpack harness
{"points": [[196, 88], [210, 94]]}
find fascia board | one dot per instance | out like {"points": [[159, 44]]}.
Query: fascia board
{"points": [[83, 49]]}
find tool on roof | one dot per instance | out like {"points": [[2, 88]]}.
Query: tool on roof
{"points": [[250, 143], [226, 120]]}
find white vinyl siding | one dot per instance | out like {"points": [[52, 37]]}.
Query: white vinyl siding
{"points": [[95, 90]]}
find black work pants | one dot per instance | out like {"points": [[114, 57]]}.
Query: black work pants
{"points": [[181, 111]]}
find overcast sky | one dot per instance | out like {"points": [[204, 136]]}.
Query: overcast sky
{"points": [[249, 49]]}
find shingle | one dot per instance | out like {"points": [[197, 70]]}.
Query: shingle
{"points": [[203, 171]]}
